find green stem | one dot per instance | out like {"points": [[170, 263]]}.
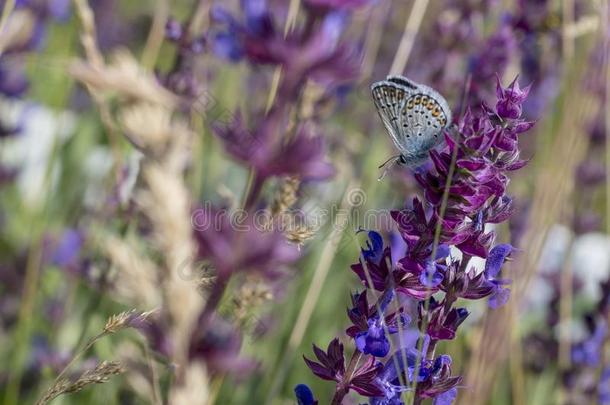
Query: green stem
{"points": [[24, 323], [343, 387], [437, 236], [248, 188]]}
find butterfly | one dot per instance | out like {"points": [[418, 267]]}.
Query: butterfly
{"points": [[414, 115]]}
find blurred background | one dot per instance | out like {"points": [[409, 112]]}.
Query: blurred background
{"points": [[92, 92]]}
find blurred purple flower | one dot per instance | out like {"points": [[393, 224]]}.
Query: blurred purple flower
{"points": [[156, 333], [314, 53], [302, 155], [533, 16], [187, 44], [586, 222], [236, 243], [492, 58], [589, 351], [43, 355], [173, 29], [214, 340], [218, 343], [112, 28], [13, 81], [591, 173], [67, 250], [227, 47], [603, 388], [329, 5], [59, 9]]}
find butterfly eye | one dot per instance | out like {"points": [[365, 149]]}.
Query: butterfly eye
{"points": [[436, 112], [430, 105], [417, 100]]}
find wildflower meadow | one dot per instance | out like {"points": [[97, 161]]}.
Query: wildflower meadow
{"points": [[385, 202]]}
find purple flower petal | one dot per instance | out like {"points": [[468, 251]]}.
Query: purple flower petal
{"points": [[228, 47], [499, 297], [496, 259], [431, 277], [374, 251], [304, 395], [446, 398]]}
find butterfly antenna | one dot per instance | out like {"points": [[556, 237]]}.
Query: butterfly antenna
{"points": [[388, 161], [385, 171], [387, 165]]}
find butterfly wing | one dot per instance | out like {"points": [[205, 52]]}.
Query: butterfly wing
{"points": [[403, 81], [440, 100], [414, 115], [389, 98], [424, 117]]}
